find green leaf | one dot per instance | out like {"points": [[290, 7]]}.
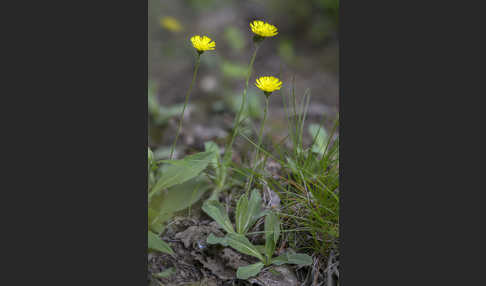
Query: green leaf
{"points": [[156, 243], [248, 211], [156, 220], [243, 245], [212, 239], [180, 171], [292, 258], [162, 205], [320, 137], [210, 146], [242, 215], [164, 274], [238, 242], [272, 233], [245, 272], [276, 228], [182, 196], [217, 212], [270, 245], [260, 248], [255, 208]]}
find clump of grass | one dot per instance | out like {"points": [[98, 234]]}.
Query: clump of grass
{"points": [[309, 185], [310, 198], [308, 181]]}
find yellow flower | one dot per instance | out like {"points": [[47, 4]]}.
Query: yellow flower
{"points": [[268, 84], [203, 43], [263, 29], [170, 24]]}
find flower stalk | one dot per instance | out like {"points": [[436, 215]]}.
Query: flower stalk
{"points": [[260, 141], [229, 147], [238, 119], [198, 60], [261, 31]]}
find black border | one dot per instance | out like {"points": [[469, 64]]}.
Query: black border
{"points": [[80, 137]]}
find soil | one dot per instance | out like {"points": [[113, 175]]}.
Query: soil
{"points": [[197, 263]]}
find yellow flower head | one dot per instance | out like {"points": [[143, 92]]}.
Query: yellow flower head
{"points": [[170, 24], [263, 29], [268, 84], [203, 43]]}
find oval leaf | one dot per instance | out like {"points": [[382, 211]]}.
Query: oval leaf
{"points": [[272, 233], [212, 239], [180, 171], [181, 196], [245, 272], [292, 258], [243, 245], [216, 211], [242, 215], [254, 209]]}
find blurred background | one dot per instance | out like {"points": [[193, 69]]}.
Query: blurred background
{"points": [[305, 49]]}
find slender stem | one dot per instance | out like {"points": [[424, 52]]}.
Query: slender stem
{"points": [[228, 149], [185, 105], [260, 139]]}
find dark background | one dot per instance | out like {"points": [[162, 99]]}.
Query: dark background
{"points": [[306, 49], [306, 46]]}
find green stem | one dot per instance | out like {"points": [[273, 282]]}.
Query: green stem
{"points": [[228, 149], [185, 105], [260, 139]]}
